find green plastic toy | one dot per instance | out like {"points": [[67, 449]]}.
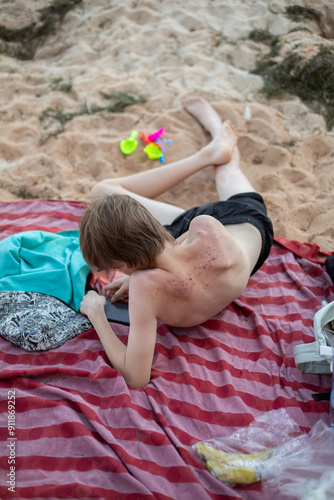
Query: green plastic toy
{"points": [[128, 146], [153, 151]]}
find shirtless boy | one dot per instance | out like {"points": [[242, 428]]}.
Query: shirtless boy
{"points": [[181, 267]]}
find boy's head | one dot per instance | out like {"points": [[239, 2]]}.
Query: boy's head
{"points": [[117, 228]]}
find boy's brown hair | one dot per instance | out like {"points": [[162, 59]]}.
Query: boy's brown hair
{"points": [[117, 228]]}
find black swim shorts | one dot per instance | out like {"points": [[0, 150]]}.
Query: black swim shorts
{"points": [[242, 207]]}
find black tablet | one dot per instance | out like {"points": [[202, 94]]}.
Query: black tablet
{"points": [[118, 312]]}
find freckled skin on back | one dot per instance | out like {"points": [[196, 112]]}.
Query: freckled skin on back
{"points": [[208, 271]]}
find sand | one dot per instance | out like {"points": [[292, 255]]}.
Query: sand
{"points": [[164, 51]]}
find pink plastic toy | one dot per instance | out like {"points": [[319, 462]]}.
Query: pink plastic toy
{"points": [[153, 137]]}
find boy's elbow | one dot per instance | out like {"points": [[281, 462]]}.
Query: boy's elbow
{"points": [[136, 382]]}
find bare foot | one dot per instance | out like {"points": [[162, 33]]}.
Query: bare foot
{"points": [[220, 149], [200, 109]]}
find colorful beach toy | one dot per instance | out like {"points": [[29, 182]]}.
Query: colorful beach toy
{"points": [[162, 145], [153, 151], [155, 145], [156, 135], [128, 146]]}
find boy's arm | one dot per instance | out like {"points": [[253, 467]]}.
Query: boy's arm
{"points": [[182, 238], [134, 361]]}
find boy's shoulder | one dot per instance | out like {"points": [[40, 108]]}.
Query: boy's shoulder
{"points": [[202, 222], [148, 279], [149, 290], [206, 225], [204, 229]]}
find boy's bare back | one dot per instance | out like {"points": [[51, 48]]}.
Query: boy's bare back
{"points": [[195, 280]]}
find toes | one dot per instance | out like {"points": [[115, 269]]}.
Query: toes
{"points": [[230, 125], [191, 100]]}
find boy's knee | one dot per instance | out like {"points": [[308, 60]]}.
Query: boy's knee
{"points": [[97, 191], [104, 188]]}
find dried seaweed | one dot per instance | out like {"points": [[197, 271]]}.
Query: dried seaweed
{"points": [[22, 43], [309, 79], [117, 103]]}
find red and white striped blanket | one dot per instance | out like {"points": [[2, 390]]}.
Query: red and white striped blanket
{"points": [[80, 432]]}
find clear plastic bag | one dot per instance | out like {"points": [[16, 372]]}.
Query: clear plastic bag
{"points": [[252, 453], [308, 475]]}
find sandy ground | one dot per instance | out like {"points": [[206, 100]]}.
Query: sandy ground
{"points": [[164, 51]]}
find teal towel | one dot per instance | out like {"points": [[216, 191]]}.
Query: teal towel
{"points": [[50, 263]]}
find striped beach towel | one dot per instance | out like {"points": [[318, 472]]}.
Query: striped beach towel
{"points": [[71, 428]]}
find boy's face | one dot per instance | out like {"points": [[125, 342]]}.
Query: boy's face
{"points": [[125, 268]]}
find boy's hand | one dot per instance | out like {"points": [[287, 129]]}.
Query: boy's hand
{"points": [[118, 289], [92, 303]]}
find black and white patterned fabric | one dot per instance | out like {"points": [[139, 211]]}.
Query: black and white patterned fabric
{"points": [[38, 322]]}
